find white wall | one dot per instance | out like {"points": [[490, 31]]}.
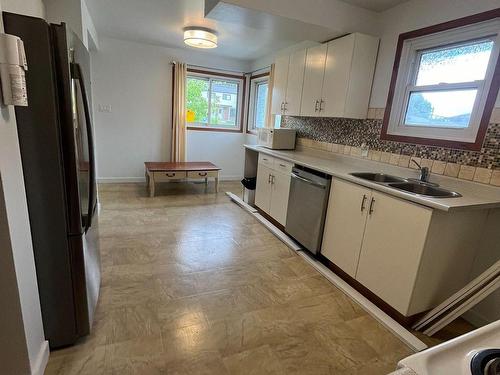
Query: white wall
{"points": [[136, 80], [76, 14], [23, 349], [409, 16], [33, 8]]}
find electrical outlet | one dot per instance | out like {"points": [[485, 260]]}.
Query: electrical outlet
{"points": [[105, 108]]}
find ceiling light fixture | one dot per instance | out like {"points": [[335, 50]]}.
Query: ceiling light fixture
{"points": [[200, 37]]}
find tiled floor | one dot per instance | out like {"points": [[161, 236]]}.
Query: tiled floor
{"points": [[192, 284]]}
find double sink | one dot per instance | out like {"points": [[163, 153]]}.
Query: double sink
{"points": [[407, 185]]}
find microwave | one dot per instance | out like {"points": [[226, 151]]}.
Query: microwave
{"points": [[277, 139]]}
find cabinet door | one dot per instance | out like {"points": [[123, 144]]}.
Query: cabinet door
{"points": [[313, 80], [295, 82], [279, 196], [280, 83], [393, 243], [337, 72], [345, 224], [263, 188], [360, 80]]}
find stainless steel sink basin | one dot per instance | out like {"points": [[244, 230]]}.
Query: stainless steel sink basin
{"points": [[378, 177], [423, 189]]}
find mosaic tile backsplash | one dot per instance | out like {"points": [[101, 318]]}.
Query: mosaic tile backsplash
{"points": [[352, 132]]}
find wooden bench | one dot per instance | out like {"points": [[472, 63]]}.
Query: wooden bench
{"points": [[166, 171]]}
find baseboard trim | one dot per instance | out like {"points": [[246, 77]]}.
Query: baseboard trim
{"points": [[38, 367], [124, 180], [120, 180]]}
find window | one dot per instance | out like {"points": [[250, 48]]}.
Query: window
{"points": [[213, 101], [443, 84], [257, 109]]}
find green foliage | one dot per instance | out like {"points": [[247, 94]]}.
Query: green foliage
{"points": [[196, 99]]}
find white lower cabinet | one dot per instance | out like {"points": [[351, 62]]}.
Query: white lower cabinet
{"points": [[345, 224], [393, 243], [263, 188], [273, 187], [409, 255]]}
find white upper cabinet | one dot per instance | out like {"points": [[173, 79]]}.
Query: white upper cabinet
{"points": [[349, 69], [333, 79], [279, 85], [295, 81], [313, 80]]}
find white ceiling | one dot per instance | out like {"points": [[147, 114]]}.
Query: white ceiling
{"points": [[375, 5], [243, 34]]}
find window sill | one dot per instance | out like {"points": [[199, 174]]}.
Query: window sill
{"points": [[212, 129]]}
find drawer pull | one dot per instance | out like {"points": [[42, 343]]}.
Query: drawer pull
{"points": [[202, 174], [170, 174], [363, 201], [371, 206], [283, 165]]}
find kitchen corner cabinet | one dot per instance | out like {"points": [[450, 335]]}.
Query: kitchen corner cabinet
{"points": [[273, 187], [288, 80], [409, 255], [338, 77]]}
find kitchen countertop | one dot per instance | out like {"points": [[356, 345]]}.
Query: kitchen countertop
{"points": [[474, 195]]}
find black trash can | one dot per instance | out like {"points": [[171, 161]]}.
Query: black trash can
{"points": [[249, 183]]}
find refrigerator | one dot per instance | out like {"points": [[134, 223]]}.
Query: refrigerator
{"points": [[57, 151]]}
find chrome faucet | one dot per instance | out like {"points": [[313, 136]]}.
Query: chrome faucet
{"points": [[424, 172]]}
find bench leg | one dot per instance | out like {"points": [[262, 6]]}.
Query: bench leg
{"points": [[151, 184]]}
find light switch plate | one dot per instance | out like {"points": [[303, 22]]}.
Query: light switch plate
{"points": [[105, 108]]}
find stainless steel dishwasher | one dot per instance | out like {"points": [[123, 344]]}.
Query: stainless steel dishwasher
{"points": [[307, 204]]}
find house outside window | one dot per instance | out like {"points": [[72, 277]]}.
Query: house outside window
{"points": [[257, 109], [213, 102], [442, 86]]}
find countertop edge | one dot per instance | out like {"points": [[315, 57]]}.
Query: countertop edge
{"points": [[431, 203]]}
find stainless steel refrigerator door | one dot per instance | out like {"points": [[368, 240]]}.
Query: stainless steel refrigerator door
{"points": [[84, 140]]}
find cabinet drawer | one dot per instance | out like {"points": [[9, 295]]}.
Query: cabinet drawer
{"points": [[283, 166], [166, 176], [266, 160], [202, 174]]}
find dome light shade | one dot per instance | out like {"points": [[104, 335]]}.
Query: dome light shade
{"points": [[200, 38]]}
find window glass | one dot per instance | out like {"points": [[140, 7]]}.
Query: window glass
{"points": [[197, 100], [260, 104], [464, 63], [224, 103], [449, 109], [212, 102]]}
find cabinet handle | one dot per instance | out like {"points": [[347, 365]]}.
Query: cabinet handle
{"points": [[371, 206], [283, 165], [363, 201], [170, 174], [321, 105], [202, 174], [316, 106], [285, 105], [272, 179], [269, 179]]}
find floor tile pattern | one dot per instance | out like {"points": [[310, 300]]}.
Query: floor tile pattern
{"points": [[192, 284]]}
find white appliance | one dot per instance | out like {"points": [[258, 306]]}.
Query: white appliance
{"points": [[277, 139], [475, 353]]}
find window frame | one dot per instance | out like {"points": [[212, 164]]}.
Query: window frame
{"points": [[240, 79], [410, 47], [254, 82]]}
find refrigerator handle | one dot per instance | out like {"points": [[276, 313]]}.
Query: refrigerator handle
{"points": [[76, 73]]}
